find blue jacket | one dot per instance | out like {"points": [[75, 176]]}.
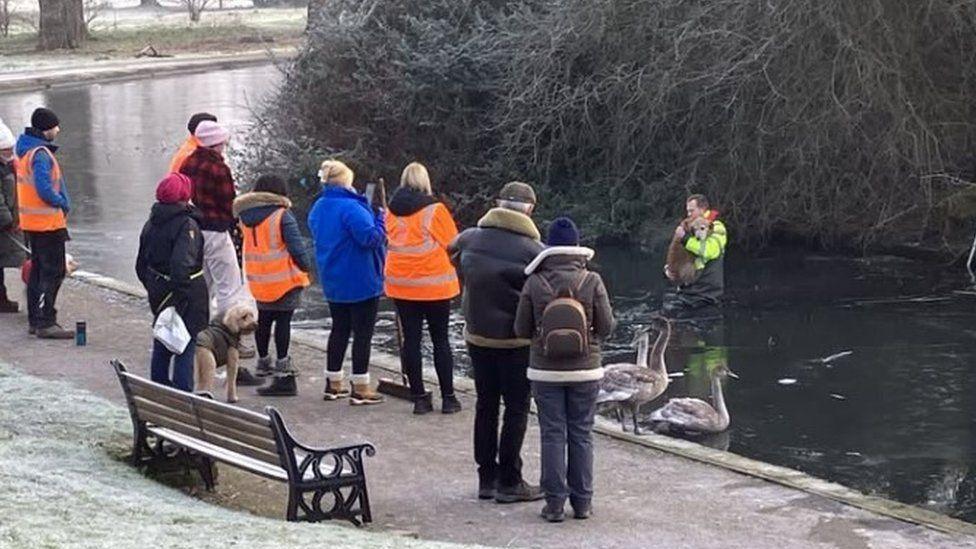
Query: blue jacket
{"points": [[42, 165], [350, 245]]}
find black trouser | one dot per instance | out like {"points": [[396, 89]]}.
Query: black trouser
{"points": [[47, 272], [500, 374], [356, 319], [411, 315], [282, 332]]}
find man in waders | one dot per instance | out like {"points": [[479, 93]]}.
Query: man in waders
{"points": [[43, 207], [709, 286]]}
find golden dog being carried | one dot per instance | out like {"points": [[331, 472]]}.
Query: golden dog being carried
{"points": [[680, 265]]}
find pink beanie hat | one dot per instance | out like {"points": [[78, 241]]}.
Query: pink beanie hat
{"points": [[211, 133], [174, 188]]}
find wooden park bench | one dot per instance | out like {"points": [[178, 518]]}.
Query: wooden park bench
{"points": [[322, 483]]}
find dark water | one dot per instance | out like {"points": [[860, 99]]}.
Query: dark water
{"points": [[893, 418]]}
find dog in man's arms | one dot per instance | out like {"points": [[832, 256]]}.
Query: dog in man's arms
{"points": [[218, 345]]}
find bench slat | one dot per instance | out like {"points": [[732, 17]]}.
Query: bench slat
{"points": [[223, 455], [218, 408], [181, 402], [242, 425], [145, 405], [237, 447], [170, 423], [266, 443]]}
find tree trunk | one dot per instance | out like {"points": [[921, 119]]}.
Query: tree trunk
{"points": [[148, 3], [316, 10], [62, 24]]}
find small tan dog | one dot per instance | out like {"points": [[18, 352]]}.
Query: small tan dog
{"points": [[217, 345], [680, 265]]}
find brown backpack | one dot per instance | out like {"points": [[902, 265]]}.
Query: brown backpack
{"points": [[564, 328]]}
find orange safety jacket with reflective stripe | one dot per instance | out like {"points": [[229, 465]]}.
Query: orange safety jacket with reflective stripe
{"points": [[186, 149], [270, 270], [35, 214], [417, 265]]}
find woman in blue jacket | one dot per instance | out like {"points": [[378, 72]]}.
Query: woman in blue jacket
{"points": [[350, 246]]}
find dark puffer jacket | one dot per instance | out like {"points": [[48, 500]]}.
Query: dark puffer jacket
{"points": [[491, 260], [170, 264], [563, 267], [11, 255]]}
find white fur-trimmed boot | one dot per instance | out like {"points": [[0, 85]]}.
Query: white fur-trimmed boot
{"points": [[335, 388]]}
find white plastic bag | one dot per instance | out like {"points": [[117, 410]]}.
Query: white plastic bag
{"points": [[170, 330]]}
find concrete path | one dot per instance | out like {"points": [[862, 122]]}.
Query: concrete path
{"points": [[423, 480]]}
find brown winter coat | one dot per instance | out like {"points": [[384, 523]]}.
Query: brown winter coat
{"points": [[11, 255], [562, 266]]}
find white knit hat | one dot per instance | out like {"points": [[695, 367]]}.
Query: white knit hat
{"points": [[7, 140]]}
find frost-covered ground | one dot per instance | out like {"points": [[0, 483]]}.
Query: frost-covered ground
{"points": [[62, 484]]}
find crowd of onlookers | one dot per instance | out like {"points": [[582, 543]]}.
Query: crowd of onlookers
{"points": [[534, 313]]}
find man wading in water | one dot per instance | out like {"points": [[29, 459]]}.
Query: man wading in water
{"points": [[709, 286]]}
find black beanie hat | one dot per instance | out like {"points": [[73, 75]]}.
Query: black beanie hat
{"points": [[563, 232], [197, 118], [44, 119]]}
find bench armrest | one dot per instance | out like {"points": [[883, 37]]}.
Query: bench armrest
{"points": [[310, 464]]}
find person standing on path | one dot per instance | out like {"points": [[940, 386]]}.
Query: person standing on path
{"points": [[422, 282], [43, 206], [170, 266], [192, 143], [213, 195], [491, 259], [350, 247], [11, 253], [565, 373], [276, 265]]}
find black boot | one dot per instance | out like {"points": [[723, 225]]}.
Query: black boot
{"points": [[450, 405], [280, 386], [7, 306], [246, 379], [423, 405]]}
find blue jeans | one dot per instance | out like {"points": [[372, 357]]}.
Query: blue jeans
{"points": [[182, 377], [566, 419]]}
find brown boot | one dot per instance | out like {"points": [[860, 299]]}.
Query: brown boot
{"points": [[363, 394], [334, 390]]}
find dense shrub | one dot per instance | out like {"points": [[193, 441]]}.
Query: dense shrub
{"points": [[840, 122]]}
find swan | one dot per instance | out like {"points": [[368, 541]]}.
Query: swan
{"points": [[631, 386], [693, 415]]}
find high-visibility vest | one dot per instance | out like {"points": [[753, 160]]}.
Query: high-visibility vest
{"points": [[35, 214], [271, 272], [186, 149], [417, 265]]}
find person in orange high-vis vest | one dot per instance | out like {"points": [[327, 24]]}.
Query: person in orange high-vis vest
{"points": [[421, 280], [191, 144], [42, 208], [276, 266]]}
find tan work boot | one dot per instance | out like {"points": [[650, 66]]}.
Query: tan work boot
{"points": [[363, 394], [334, 390]]}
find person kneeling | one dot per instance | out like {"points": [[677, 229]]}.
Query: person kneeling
{"points": [[564, 308]]}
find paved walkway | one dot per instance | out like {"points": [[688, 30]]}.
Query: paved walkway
{"points": [[423, 481]]}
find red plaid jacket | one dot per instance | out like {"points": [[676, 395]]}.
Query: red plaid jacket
{"points": [[213, 188]]}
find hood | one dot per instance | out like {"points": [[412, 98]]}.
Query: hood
{"points": [[510, 220], [560, 253], [251, 200], [407, 201], [162, 214], [342, 193], [31, 139]]}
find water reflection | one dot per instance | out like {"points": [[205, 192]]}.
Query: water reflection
{"points": [[116, 143]]}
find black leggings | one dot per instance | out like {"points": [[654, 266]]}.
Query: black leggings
{"points": [[356, 319], [282, 332], [411, 315]]}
